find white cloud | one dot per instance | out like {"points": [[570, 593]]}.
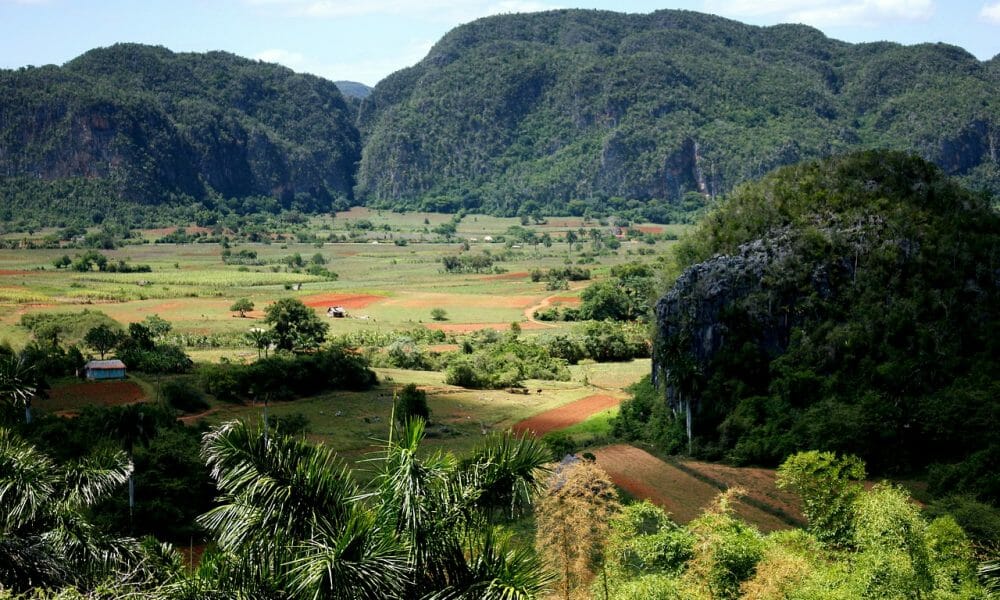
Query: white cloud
{"points": [[991, 12], [827, 12]]}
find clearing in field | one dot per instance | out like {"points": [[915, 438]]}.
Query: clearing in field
{"points": [[566, 415], [683, 495]]}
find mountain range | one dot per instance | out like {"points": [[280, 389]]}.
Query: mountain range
{"points": [[561, 112]]}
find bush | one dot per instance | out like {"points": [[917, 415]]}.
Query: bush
{"points": [[183, 396], [411, 402], [439, 314], [560, 444], [404, 353], [290, 424], [609, 341], [505, 364], [288, 376]]}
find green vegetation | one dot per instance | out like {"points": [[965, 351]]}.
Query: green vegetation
{"points": [[294, 326], [842, 305], [287, 376], [580, 112], [192, 136], [504, 362]]}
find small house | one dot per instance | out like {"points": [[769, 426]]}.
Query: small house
{"points": [[101, 370], [336, 312]]}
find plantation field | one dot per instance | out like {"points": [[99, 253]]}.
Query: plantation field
{"points": [[679, 492], [191, 286]]}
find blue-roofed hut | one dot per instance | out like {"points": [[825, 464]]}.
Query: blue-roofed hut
{"points": [[101, 370]]}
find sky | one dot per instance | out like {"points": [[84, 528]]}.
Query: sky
{"points": [[365, 40]]}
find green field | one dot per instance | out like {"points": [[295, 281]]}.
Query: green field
{"points": [[385, 287]]}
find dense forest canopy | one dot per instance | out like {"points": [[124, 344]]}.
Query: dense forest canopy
{"points": [[562, 112], [569, 110], [849, 304], [134, 124]]}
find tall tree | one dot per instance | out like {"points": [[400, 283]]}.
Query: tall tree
{"points": [[128, 424], [294, 326], [103, 339]]}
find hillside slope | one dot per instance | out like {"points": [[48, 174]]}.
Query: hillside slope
{"points": [[850, 304], [516, 112], [144, 125]]}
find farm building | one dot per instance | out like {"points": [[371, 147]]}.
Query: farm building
{"points": [[100, 370]]}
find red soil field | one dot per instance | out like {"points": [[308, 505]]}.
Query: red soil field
{"points": [[345, 300], [16, 272], [73, 397], [654, 229], [682, 495], [566, 415], [759, 484], [565, 300]]}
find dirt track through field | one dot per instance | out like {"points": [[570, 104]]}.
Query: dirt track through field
{"points": [[566, 415], [684, 496]]}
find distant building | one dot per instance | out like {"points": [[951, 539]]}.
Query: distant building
{"points": [[336, 312], [100, 370]]}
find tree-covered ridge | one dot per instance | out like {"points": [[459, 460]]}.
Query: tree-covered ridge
{"points": [[849, 304], [154, 127], [614, 110]]}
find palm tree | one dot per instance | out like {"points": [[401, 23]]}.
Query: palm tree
{"points": [[128, 425], [291, 519], [17, 383], [46, 539], [292, 522], [443, 508]]}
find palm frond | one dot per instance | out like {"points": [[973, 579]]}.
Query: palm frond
{"points": [[282, 488], [91, 479], [497, 572], [360, 561], [17, 381], [28, 481], [28, 562], [509, 471]]}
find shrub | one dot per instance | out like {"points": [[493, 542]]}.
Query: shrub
{"points": [[183, 396], [560, 444], [439, 314], [288, 376], [411, 402]]}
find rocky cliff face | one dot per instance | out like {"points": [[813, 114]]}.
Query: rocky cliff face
{"points": [[163, 126], [587, 105], [762, 288], [847, 304]]}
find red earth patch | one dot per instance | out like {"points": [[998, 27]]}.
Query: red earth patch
{"points": [[75, 396], [345, 300], [566, 415]]}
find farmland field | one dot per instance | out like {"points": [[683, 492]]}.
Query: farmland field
{"points": [[387, 287]]}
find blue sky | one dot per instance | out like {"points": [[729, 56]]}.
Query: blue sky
{"points": [[365, 40]]}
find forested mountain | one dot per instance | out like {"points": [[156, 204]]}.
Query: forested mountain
{"points": [[850, 304], [143, 124], [573, 105], [555, 112], [354, 89]]}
